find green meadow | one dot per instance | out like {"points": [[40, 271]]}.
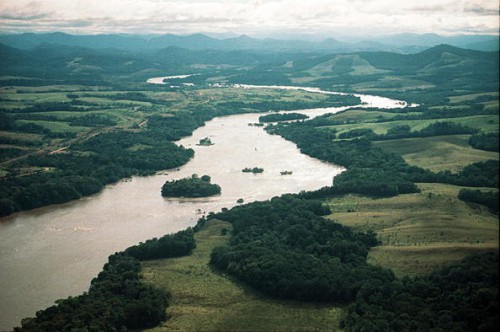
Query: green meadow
{"points": [[420, 232], [437, 153], [202, 299]]}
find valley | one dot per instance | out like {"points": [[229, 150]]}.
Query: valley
{"points": [[89, 120]]}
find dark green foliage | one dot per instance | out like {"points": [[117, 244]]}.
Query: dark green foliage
{"points": [[355, 133], [234, 107], [88, 166], [8, 153], [282, 117], [398, 131], [117, 300], [30, 128], [118, 148], [463, 297], [370, 170], [6, 121], [171, 245], [283, 247], [481, 174], [190, 187], [445, 128], [487, 142], [439, 128], [488, 199], [48, 107], [254, 170], [372, 182], [172, 128]]}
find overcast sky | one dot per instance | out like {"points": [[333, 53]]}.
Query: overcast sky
{"points": [[253, 17]]}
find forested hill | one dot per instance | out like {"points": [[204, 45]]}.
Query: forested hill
{"points": [[437, 65], [405, 43], [444, 55]]}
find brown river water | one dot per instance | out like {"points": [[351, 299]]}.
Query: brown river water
{"points": [[54, 252]]}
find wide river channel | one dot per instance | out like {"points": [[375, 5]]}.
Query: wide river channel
{"points": [[54, 252]]}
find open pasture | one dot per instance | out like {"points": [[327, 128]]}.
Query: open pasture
{"points": [[420, 232], [220, 303], [437, 153]]}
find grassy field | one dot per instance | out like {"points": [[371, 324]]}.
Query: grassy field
{"points": [[420, 232], [486, 123], [438, 153], [55, 107], [204, 300]]}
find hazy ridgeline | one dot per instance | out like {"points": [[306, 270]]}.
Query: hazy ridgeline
{"points": [[381, 242]]}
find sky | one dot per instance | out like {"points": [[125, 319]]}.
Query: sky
{"points": [[258, 18]]}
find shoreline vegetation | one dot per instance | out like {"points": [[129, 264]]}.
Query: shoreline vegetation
{"points": [[284, 250], [81, 161], [205, 142], [254, 170], [193, 187]]}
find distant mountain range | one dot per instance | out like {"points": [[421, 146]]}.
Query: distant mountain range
{"points": [[84, 64], [400, 43]]}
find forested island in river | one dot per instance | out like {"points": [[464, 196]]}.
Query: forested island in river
{"points": [[194, 186], [405, 239]]}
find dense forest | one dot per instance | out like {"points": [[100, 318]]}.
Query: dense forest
{"points": [[282, 117], [86, 167], [463, 297], [117, 299], [190, 187], [283, 247], [371, 171], [107, 154]]}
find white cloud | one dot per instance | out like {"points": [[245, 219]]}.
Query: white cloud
{"points": [[253, 17]]}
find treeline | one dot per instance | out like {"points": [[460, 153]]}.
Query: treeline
{"points": [[463, 297], [179, 244], [487, 142], [117, 299], [488, 199], [133, 95], [190, 187], [371, 171], [277, 117], [284, 248], [283, 105], [48, 107], [372, 182], [439, 128], [87, 166], [8, 122]]}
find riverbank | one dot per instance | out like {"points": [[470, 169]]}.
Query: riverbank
{"points": [[45, 252], [221, 304]]}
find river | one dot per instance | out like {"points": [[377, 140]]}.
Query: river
{"points": [[54, 252]]}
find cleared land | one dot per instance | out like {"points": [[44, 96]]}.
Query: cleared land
{"points": [[438, 153], [221, 304], [59, 115], [420, 232]]}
